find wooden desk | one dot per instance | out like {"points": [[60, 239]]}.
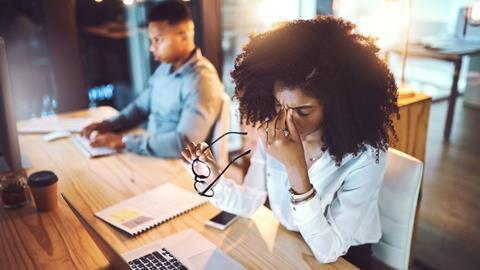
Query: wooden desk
{"points": [[451, 52], [56, 240]]}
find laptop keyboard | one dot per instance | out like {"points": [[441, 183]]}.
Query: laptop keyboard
{"points": [[162, 259]]}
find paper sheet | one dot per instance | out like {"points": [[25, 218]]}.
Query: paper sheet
{"points": [[53, 123]]}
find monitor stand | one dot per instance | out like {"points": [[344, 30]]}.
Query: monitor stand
{"points": [[26, 164]]}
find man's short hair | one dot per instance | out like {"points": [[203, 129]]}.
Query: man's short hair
{"points": [[171, 11]]}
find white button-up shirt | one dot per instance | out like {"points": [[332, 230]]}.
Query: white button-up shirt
{"points": [[343, 213]]}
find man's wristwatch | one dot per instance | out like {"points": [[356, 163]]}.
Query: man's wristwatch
{"points": [[124, 139], [127, 138], [131, 139]]}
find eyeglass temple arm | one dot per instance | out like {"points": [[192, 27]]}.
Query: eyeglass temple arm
{"points": [[217, 139], [223, 171]]}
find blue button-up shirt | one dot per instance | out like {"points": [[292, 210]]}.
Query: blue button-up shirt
{"points": [[178, 104]]}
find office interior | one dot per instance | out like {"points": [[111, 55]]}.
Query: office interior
{"points": [[67, 56]]}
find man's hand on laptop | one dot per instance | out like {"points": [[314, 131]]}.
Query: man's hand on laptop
{"points": [[99, 127], [110, 140]]}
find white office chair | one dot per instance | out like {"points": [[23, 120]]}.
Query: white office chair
{"points": [[398, 203], [222, 125]]}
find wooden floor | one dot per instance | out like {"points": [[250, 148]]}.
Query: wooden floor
{"points": [[449, 225]]}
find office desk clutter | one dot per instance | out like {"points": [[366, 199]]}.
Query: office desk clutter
{"points": [[94, 185], [181, 251]]}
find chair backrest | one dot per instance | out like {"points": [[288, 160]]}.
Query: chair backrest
{"points": [[222, 125], [398, 203]]}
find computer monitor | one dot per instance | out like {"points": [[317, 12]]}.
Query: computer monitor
{"points": [[10, 158]]}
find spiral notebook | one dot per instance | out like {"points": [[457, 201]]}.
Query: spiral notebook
{"points": [[151, 208]]}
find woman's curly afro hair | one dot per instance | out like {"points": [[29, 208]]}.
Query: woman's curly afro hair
{"points": [[328, 60]]}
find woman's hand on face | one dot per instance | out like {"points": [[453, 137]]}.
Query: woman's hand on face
{"points": [[281, 139], [194, 151]]}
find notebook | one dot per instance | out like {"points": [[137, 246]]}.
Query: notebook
{"points": [[84, 145], [151, 208], [53, 123]]}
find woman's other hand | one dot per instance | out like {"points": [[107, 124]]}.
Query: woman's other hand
{"points": [[194, 151], [282, 140]]}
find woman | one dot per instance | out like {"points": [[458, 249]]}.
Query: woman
{"points": [[323, 101]]}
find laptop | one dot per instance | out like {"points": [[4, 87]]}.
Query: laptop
{"points": [[184, 250]]}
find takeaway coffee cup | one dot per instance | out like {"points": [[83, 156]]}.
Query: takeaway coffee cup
{"points": [[43, 185]]}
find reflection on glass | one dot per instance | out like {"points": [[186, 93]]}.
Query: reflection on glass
{"points": [[23, 27], [49, 106], [242, 18]]}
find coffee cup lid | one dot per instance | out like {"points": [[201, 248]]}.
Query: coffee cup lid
{"points": [[42, 179]]}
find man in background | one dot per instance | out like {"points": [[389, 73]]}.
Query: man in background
{"points": [[183, 98]]}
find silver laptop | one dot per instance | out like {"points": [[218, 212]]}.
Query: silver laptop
{"points": [[185, 250]]}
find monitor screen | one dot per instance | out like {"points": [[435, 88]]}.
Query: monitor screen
{"points": [[10, 159]]}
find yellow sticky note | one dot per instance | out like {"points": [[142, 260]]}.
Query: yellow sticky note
{"points": [[125, 214]]}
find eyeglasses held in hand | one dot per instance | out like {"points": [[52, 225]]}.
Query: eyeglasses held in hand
{"points": [[202, 171]]}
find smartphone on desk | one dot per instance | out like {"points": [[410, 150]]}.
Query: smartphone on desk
{"points": [[222, 220]]}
